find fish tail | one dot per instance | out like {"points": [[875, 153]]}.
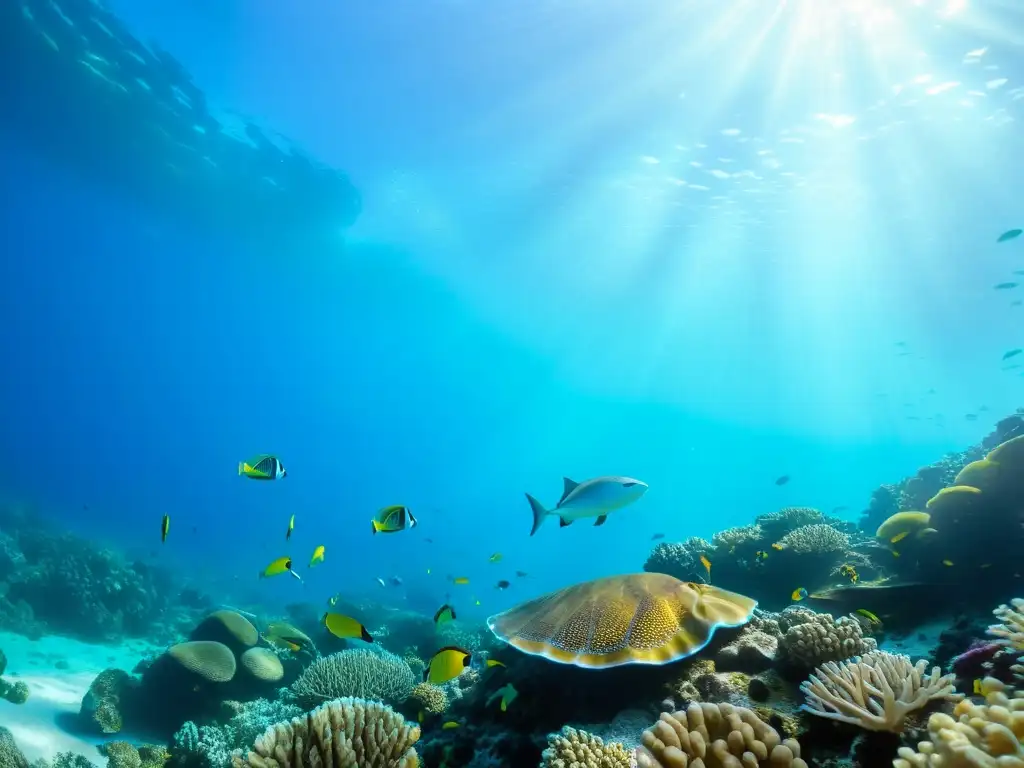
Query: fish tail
{"points": [[412, 520], [241, 468], [373, 523], [539, 513]]}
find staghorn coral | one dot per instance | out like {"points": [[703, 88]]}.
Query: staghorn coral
{"points": [[811, 639], [571, 748], [715, 736], [875, 692], [356, 672], [347, 733], [816, 539], [989, 735], [431, 698]]}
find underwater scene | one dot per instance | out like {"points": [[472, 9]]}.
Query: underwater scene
{"points": [[540, 384]]}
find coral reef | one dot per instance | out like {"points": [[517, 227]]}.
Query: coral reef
{"points": [[345, 733], [718, 736], [432, 699], [356, 673], [16, 692], [988, 735], [210, 746], [10, 755], [571, 748], [109, 698], [810, 639], [875, 692], [121, 754]]}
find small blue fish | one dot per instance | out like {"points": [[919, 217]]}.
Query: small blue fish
{"points": [[1010, 234]]}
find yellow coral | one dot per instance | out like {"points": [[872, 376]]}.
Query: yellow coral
{"points": [[431, 698], [715, 736], [875, 692], [988, 735], [345, 733], [1011, 631], [578, 749]]}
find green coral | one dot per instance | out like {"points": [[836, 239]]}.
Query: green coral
{"points": [[16, 693], [121, 754], [104, 703], [359, 673], [10, 755], [71, 760]]}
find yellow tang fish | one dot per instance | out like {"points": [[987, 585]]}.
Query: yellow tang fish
{"points": [[707, 565], [449, 725], [444, 614], [345, 627], [447, 664], [318, 556], [798, 594], [495, 558], [262, 467], [279, 566], [165, 527], [393, 519], [291, 527]]}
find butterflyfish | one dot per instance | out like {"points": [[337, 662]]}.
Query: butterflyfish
{"points": [[165, 527], [447, 664], [707, 565], [393, 519], [495, 558], [444, 614], [318, 556], [345, 627], [507, 693], [595, 498], [279, 566], [262, 467], [449, 725], [291, 527], [798, 594]]}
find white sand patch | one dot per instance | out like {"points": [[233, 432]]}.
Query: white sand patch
{"points": [[58, 672]]}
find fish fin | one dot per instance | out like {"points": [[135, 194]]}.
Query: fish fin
{"points": [[568, 486], [600, 520], [562, 522], [412, 520], [539, 513], [366, 636]]}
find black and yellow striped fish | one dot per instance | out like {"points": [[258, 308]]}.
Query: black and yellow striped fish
{"points": [[393, 519], [262, 467]]}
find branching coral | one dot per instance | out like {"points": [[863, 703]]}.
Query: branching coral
{"points": [[816, 539], [431, 698], [875, 692], [818, 638], [989, 735], [777, 524], [715, 736], [356, 672], [742, 536], [210, 746], [578, 749], [347, 733]]}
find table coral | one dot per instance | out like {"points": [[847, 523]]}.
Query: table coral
{"points": [[875, 692]]}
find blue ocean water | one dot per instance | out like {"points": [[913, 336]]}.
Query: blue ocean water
{"points": [[704, 245]]}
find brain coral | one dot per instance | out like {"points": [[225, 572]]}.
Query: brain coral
{"points": [[578, 749], [228, 627], [347, 733], [817, 539], [715, 736], [819, 638], [356, 672], [262, 664], [210, 660], [976, 736], [875, 692]]}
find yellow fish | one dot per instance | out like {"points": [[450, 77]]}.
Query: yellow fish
{"points": [[444, 614], [291, 527], [899, 537], [947, 562], [460, 580], [798, 594], [165, 527], [279, 566], [496, 557], [262, 467], [345, 627], [707, 565], [895, 553], [868, 615], [449, 725], [318, 556], [778, 547], [760, 555], [447, 664], [494, 663], [507, 693], [393, 519], [977, 686]]}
